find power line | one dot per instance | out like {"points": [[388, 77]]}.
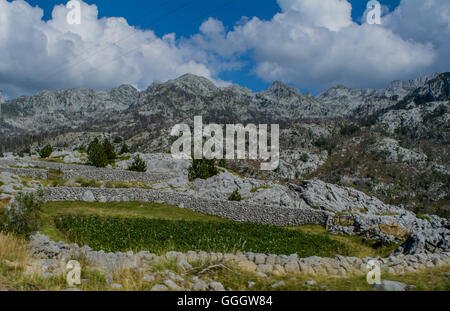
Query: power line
{"points": [[106, 46], [137, 48]]}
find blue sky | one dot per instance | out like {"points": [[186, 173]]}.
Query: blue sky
{"points": [[309, 44], [184, 17]]}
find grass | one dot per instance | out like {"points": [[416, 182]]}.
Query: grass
{"points": [[181, 222], [435, 279], [4, 202], [253, 190], [86, 183], [14, 261]]}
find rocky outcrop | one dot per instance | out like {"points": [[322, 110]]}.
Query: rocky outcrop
{"points": [[336, 199]]}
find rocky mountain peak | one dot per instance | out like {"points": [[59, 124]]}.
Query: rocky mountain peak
{"points": [[280, 90], [193, 82]]}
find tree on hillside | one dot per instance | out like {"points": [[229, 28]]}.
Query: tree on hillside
{"points": [[46, 151], [109, 150], [96, 154], [124, 149], [203, 168], [138, 165]]}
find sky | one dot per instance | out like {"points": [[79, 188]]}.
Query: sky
{"points": [[309, 44]]}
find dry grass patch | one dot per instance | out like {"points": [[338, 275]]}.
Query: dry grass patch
{"points": [[4, 202]]}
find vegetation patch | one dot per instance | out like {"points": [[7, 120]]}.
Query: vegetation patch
{"points": [[159, 235], [253, 190], [14, 258], [235, 196]]}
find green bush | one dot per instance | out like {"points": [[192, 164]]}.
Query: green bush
{"points": [[326, 143], [222, 163], [96, 154], [138, 165], [349, 129], [109, 150], [203, 169], [86, 183], [235, 196], [55, 174], [124, 149], [304, 157], [23, 217], [46, 152]]}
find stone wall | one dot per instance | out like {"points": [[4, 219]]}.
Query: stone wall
{"points": [[44, 248], [237, 211], [115, 175], [71, 171], [26, 172]]}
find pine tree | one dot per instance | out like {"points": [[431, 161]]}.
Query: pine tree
{"points": [[138, 165], [203, 169], [235, 196], [96, 154], [46, 151], [124, 149], [109, 150]]}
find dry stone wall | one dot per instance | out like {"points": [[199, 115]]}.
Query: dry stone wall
{"points": [[238, 211], [46, 249], [88, 172]]}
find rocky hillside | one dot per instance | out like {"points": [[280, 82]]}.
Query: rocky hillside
{"points": [[190, 95], [391, 143]]}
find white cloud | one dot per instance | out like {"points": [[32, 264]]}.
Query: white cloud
{"points": [[426, 22], [311, 44], [315, 44], [37, 55]]}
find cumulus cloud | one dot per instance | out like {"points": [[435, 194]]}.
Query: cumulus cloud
{"points": [[316, 44], [98, 53], [310, 44], [426, 22]]}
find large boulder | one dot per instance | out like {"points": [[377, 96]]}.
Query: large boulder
{"points": [[336, 199]]}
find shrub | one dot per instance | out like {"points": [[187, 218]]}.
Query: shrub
{"points": [[203, 169], [55, 174], [86, 183], [23, 216], [46, 152], [24, 151], [109, 150], [222, 163], [327, 143], [436, 113], [304, 157], [3, 217], [235, 196], [138, 165], [369, 121], [349, 129], [124, 149], [96, 154]]}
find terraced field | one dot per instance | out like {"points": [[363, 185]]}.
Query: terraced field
{"points": [[160, 228]]}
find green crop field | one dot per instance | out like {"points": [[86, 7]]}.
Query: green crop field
{"points": [[160, 228]]}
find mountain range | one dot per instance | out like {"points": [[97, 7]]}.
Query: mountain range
{"points": [[180, 99]]}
